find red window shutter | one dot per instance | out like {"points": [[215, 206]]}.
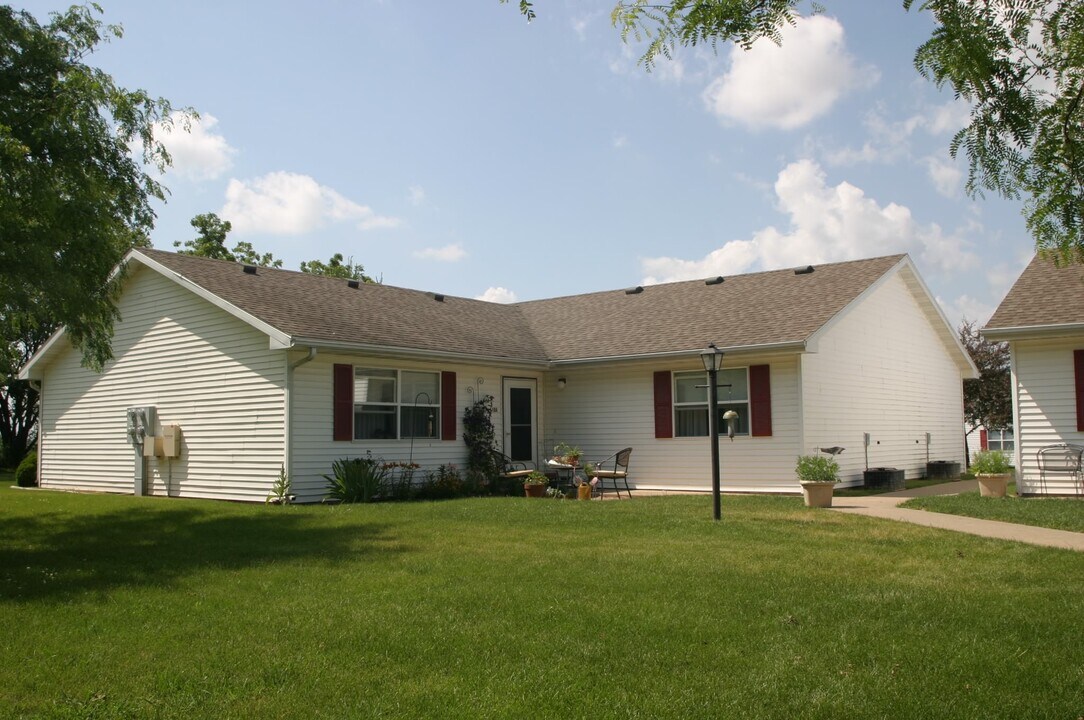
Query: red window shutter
{"points": [[984, 440], [760, 400], [664, 403], [1078, 371], [343, 394], [447, 406]]}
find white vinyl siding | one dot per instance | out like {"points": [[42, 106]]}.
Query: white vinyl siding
{"points": [[313, 449], [1045, 394], [204, 370], [882, 369], [605, 408]]}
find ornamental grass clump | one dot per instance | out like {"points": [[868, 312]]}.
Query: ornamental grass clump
{"points": [[356, 479]]}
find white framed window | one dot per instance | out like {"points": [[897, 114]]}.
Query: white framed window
{"points": [[691, 401], [1002, 440], [395, 404]]}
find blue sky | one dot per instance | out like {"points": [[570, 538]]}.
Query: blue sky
{"points": [[454, 147]]}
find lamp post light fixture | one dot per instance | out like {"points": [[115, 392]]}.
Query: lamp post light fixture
{"points": [[712, 358]]}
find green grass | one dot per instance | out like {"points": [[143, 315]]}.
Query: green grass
{"points": [[121, 607], [1056, 513]]}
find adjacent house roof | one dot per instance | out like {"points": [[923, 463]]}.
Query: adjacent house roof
{"points": [[1046, 298], [757, 311]]}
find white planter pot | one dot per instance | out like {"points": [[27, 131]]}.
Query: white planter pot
{"points": [[993, 485], [818, 494]]}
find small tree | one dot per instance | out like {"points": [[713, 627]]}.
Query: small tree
{"points": [[480, 439], [988, 398], [335, 267]]}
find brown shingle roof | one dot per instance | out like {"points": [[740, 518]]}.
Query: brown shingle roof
{"points": [[767, 308], [1043, 295]]}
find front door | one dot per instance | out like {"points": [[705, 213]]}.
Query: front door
{"points": [[520, 438]]}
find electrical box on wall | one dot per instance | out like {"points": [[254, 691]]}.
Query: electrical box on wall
{"points": [[167, 444], [171, 441]]}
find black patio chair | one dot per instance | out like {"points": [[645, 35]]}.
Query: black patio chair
{"points": [[617, 475]]}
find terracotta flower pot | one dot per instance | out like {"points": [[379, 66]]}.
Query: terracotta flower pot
{"points": [[534, 490]]}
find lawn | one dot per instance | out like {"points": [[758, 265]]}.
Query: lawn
{"points": [[122, 607], [1057, 513]]}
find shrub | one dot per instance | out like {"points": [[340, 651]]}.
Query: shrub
{"points": [[480, 438], [991, 462], [26, 475], [399, 484], [356, 479], [816, 468]]}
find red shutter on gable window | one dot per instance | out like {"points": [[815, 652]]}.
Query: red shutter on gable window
{"points": [[447, 406], [343, 393], [760, 400], [664, 403], [1078, 372], [984, 440]]}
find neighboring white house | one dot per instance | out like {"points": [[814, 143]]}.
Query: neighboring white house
{"points": [[1042, 318], [264, 368]]}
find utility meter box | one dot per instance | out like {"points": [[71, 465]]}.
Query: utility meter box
{"points": [[171, 441], [167, 444]]}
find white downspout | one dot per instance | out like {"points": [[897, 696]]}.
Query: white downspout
{"points": [[288, 420]]}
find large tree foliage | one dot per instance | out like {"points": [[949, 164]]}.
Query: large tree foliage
{"points": [[988, 398], [210, 242], [73, 197], [1019, 63], [335, 267], [22, 335]]}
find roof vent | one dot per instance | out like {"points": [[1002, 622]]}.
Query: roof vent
{"points": [[353, 284], [250, 269], [438, 297], [714, 281], [635, 291], [803, 271]]}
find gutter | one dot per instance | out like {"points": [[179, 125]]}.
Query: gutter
{"points": [[792, 346], [387, 351], [1025, 331]]}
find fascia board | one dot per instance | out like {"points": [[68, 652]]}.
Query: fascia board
{"points": [[1029, 331], [389, 351]]}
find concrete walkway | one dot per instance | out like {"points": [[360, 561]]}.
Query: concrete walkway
{"points": [[884, 506]]}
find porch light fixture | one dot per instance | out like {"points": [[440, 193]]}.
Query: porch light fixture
{"points": [[712, 358], [561, 382]]}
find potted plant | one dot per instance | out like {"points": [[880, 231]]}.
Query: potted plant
{"points": [[818, 475], [535, 484], [993, 470], [567, 454]]}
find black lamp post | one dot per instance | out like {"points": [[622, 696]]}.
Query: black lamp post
{"points": [[713, 362]]}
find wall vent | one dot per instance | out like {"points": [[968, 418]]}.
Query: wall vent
{"points": [[803, 270]]}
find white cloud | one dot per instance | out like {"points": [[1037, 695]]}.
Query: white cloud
{"points": [[416, 195], [448, 253], [283, 203], [497, 295], [948, 118], [198, 154], [944, 174], [968, 308], [620, 141], [827, 224], [788, 85]]}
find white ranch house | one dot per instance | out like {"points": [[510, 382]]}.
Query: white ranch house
{"points": [[1042, 318], [263, 368]]}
